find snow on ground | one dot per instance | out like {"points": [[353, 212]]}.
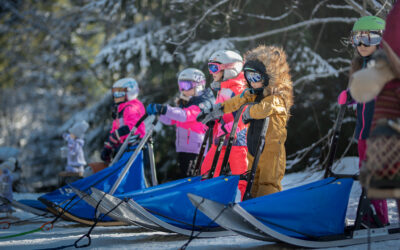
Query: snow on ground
{"points": [[132, 237]]}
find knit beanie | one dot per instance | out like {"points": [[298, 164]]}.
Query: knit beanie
{"points": [[79, 129]]}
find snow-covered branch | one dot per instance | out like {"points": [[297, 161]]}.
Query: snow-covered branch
{"points": [[339, 7], [270, 18], [314, 76], [296, 26]]}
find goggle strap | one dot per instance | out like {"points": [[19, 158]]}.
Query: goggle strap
{"points": [[119, 90]]}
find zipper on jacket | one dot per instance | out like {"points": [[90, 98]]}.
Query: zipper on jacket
{"points": [[363, 122], [188, 136]]}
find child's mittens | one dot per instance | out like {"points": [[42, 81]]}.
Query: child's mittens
{"points": [[106, 154], [246, 118], [342, 98]]}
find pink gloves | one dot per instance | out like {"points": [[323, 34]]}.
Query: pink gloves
{"points": [[342, 98]]}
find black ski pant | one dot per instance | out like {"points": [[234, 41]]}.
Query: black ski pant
{"points": [[185, 161]]}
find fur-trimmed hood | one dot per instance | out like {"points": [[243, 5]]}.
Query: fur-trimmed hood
{"points": [[274, 59]]}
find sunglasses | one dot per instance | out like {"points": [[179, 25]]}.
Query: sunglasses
{"points": [[252, 76], [365, 38], [118, 92]]}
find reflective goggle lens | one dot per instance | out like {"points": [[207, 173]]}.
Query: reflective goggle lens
{"points": [[185, 85], [252, 76], [368, 39], [118, 94], [214, 68]]}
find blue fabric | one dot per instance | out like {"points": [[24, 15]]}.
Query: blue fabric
{"points": [[102, 180], [154, 108], [316, 209], [173, 206]]}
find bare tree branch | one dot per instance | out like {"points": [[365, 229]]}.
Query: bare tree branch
{"points": [[312, 77], [270, 18], [294, 27], [316, 8], [358, 8], [190, 33]]}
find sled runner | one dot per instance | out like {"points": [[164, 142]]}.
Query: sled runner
{"points": [[177, 214], [30, 206], [121, 211], [238, 219], [64, 201], [311, 215]]}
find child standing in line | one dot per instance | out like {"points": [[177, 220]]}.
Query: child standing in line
{"points": [[381, 82], [128, 110], [74, 150], [226, 66], [6, 190], [269, 85], [194, 97], [365, 37]]}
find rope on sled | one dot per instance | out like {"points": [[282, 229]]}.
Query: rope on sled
{"points": [[47, 226], [192, 236]]}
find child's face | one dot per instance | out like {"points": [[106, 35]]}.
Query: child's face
{"points": [[366, 51], [119, 99], [218, 76], [72, 136], [189, 92], [257, 85]]}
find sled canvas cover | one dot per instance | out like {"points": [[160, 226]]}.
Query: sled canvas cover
{"points": [[174, 207], [313, 210], [102, 180]]}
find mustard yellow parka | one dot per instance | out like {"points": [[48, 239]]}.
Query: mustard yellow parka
{"points": [[275, 103]]}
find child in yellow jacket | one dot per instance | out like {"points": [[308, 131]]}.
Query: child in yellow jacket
{"points": [[270, 86]]}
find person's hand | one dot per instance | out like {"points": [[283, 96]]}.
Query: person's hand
{"points": [[246, 118], [156, 109], [133, 139], [342, 98], [212, 114], [106, 154]]}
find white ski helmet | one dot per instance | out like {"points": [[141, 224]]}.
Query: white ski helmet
{"points": [[193, 77], [125, 87], [79, 128], [232, 61]]}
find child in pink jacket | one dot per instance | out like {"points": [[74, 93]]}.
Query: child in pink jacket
{"points": [[128, 110], [189, 132]]}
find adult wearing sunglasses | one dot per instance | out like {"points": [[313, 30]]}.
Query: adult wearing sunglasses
{"points": [[366, 36], [226, 66], [127, 110], [269, 85], [189, 133]]}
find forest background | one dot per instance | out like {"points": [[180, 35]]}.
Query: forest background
{"points": [[59, 58]]}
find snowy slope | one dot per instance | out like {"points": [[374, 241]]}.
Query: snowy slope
{"points": [[131, 237]]}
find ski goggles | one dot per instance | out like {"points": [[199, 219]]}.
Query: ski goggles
{"points": [[214, 67], [252, 76], [185, 85], [118, 92], [365, 38]]}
